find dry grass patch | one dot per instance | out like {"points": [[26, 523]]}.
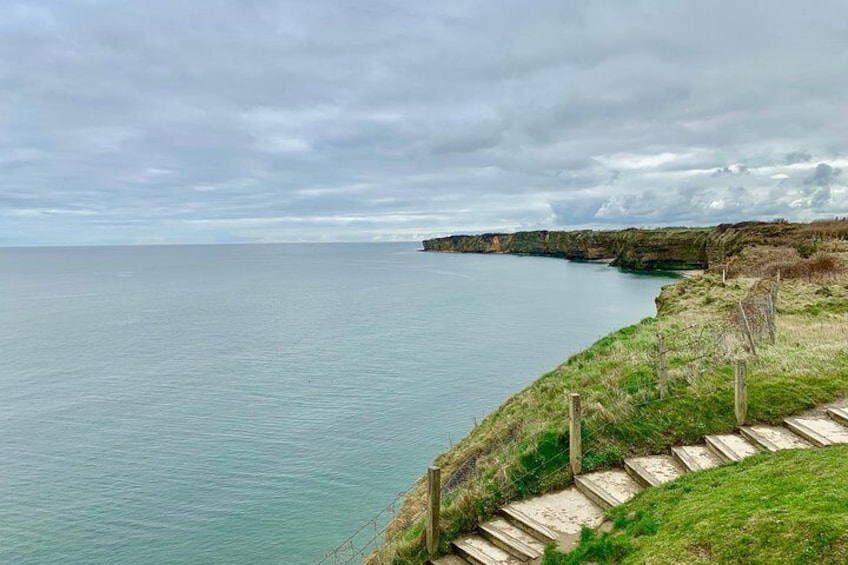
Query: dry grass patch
{"points": [[761, 261]]}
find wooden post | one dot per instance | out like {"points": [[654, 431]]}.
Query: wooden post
{"points": [[434, 492], [724, 275], [772, 318], [741, 390], [662, 367], [747, 328], [575, 439]]}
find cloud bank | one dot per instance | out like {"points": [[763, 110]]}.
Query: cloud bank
{"points": [[256, 120]]}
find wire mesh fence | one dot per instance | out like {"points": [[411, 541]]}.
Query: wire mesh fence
{"points": [[757, 319], [368, 537]]}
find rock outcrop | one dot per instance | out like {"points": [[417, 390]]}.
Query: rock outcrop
{"points": [[649, 249]]}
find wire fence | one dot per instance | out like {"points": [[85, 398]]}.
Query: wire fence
{"points": [[367, 538], [680, 359]]}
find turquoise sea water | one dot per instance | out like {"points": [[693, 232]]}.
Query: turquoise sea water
{"points": [[257, 403]]}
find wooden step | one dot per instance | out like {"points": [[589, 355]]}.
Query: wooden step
{"points": [[512, 539], [696, 457], [730, 447], [479, 551], [555, 518], [839, 415], [818, 431], [528, 524], [653, 470], [772, 438], [607, 488]]}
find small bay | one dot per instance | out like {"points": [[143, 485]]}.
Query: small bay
{"points": [[258, 403]]}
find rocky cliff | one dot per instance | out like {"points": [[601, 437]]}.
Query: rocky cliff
{"points": [[650, 249]]}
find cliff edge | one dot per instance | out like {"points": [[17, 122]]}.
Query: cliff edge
{"points": [[650, 249]]}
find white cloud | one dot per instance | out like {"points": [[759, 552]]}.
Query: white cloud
{"points": [[282, 144], [638, 162]]}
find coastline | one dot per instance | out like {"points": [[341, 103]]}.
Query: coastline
{"points": [[660, 249], [618, 370]]}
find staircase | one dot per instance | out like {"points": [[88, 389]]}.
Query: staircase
{"points": [[518, 536]]}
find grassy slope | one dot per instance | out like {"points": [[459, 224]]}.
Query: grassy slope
{"points": [[521, 449], [788, 507]]}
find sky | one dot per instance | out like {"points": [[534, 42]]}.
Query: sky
{"points": [[193, 121]]}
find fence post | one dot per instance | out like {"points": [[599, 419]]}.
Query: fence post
{"points": [[772, 318], [724, 275], [746, 327], [775, 288], [741, 390], [434, 491], [662, 369], [575, 439]]}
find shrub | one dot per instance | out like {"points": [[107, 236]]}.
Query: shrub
{"points": [[767, 261]]}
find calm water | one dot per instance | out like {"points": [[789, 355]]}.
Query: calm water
{"points": [[254, 404]]}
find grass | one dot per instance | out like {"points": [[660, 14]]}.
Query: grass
{"points": [[521, 449], [789, 507]]}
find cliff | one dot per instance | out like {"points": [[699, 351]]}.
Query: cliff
{"points": [[650, 249], [522, 448]]}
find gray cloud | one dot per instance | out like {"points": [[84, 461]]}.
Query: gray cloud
{"points": [[819, 185], [258, 120], [823, 176], [797, 157]]}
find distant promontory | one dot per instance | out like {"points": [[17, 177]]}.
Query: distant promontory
{"points": [[673, 248]]}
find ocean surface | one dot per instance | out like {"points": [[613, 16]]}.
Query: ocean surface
{"points": [[257, 403]]}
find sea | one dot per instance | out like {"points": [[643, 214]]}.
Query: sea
{"points": [[259, 403]]}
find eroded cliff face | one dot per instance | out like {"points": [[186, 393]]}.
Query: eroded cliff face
{"points": [[632, 248], [649, 249]]}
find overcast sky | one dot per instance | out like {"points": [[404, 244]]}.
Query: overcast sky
{"points": [[159, 121]]}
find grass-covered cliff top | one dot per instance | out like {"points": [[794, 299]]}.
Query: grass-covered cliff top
{"points": [[521, 448]]}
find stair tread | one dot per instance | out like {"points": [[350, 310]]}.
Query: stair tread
{"points": [[529, 524], [563, 513], [696, 457], [616, 485], [821, 427], [731, 446], [839, 414], [774, 438], [517, 539], [655, 469], [484, 552]]}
